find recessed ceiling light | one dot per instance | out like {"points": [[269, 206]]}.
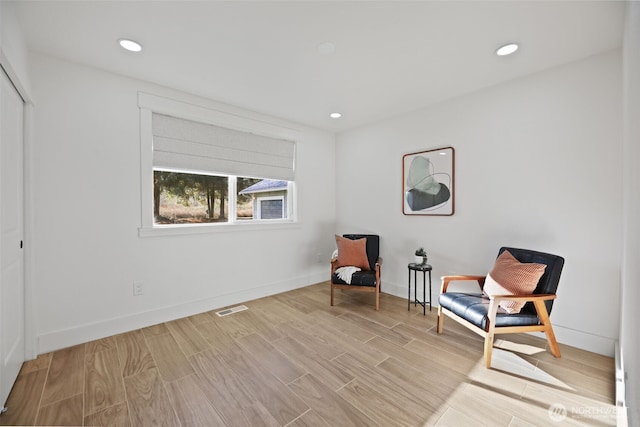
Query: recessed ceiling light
{"points": [[130, 45], [507, 49], [335, 115]]}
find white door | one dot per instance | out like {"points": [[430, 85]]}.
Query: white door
{"points": [[12, 339]]}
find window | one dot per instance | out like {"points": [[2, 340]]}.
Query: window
{"points": [[207, 167], [188, 198]]}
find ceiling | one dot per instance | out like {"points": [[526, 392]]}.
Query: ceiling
{"points": [[390, 57]]}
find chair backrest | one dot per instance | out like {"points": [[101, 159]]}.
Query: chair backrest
{"points": [[548, 283], [373, 246]]}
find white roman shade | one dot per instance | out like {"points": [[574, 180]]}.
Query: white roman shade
{"points": [[200, 147]]}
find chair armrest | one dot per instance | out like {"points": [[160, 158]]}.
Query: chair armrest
{"points": [[447, 279], [525, 298], [379, 261]]}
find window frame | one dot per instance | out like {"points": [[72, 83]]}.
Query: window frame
{"points": [[239, 120]]}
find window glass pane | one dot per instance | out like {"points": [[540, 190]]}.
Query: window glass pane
{"points": [[259, 199], [184, 198], [245, 199], [271, 208]]}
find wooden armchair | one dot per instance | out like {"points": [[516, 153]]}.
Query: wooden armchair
{"points": [[363, 281], [481, 314]]}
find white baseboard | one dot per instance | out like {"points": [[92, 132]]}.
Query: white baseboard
{"points": [[92, 331]]}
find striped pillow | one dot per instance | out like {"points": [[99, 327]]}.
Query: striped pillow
{"points": [[512, 277]]}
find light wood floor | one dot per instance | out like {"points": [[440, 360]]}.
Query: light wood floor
{"points": [[292, 360]]}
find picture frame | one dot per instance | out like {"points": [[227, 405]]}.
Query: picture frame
{"points": [[428, 185]]}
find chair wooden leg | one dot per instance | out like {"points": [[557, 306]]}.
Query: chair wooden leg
{"points": [[488, 339], [543, 315], [332, 294], [488, 349], [553, 344], [440, 320], [377, 299]]}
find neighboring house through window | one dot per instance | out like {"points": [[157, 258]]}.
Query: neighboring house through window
{"points": [[269, 198]]}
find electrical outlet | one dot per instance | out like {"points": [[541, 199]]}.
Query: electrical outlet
{"points": [[137, 289]]}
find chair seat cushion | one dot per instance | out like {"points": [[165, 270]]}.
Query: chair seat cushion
{"points": [[474, 307], [359, 278]]}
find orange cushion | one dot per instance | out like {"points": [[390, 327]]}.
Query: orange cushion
{"points": [[352, 253], [512, 277]]}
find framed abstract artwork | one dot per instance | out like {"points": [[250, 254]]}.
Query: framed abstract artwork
{"points": [[428, 182]]}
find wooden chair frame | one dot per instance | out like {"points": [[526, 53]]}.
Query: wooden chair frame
{"points": [[375, 288], [491, 330]]}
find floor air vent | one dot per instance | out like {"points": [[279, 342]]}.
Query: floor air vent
{"points": [[228, 311]]}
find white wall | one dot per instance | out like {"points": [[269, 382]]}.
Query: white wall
{"points": [[538, 165], [87, 215], [630, 316], [13, 49]]}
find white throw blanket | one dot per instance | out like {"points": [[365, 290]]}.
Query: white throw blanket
{"points": [[345, 273]]}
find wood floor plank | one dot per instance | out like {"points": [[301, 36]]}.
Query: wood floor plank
{"points": [[457, 361], [217, 338], [266, 329], [154, 330], [257, 415], [134, 354], [431, 393], [453, 417], [579, 379], [66, 375], [344, 326], [273, 311], [65, 412], [235, 325], [329, 373], [270, 358], [116, 416], [187, 336], [171, 362], [279, 401], [103, 386], [148, 400], [24, 399], [200, 318], [360, 350], [191, 405], [381, 395], [100, 345], [419, 361], [449, 343], [223, 389], [374, 404], [309, 419], [318, 344], [378, 329], [386, 319], [580, 408], [41, 362], [334, 409], [295, 304]]}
